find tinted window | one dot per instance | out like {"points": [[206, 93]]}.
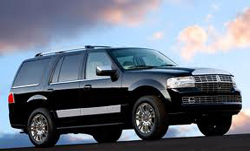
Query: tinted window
{"points": [[31, 72], [94, 60], [70, 68], [135, 58], [56, 72]]}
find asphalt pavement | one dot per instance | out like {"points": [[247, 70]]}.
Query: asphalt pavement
{"points": [[219, 143]]}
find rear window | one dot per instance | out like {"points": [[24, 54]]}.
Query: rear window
{"points": [[31, 72]]}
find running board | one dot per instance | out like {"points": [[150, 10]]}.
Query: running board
{"points": [[89, 126]]}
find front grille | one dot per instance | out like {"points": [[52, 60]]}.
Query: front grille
{"points": [[211, 99], [213, 78], [214, 83], [215, 87], [225, 78]]}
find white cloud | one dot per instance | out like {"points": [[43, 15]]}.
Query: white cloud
{"points": [[196, 39], [28, 24], [158, 35], [241, 123]]}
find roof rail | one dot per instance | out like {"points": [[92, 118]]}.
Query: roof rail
{"points": [[93, 47], [56, 52], [47, 53], [71, 50]]}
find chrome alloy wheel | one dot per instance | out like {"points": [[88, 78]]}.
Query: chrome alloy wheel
{"points": [[39, 128], [145, 118]]}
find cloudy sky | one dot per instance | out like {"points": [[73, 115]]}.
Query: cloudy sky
{"points": [[207, 33]]}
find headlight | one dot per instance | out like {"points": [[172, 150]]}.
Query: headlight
{"points": [[181, 82], [234, 82]]}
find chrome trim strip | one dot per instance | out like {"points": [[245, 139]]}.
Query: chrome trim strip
{"points": [[72, 81], [68, 113], [64, 82], [28, 85], [89, 111], [101, 110]]}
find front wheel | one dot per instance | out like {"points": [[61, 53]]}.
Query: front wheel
{"points": [[41, 128], [149, 118], [217, 126]]}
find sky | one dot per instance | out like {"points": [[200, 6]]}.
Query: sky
{"points": [[207, 33]]}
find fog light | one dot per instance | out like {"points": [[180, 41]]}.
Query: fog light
{"points": [[191, 100]]}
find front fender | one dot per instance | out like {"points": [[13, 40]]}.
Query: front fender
{"points": [[151, 83]]}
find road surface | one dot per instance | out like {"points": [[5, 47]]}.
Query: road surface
{"points": [[220, 143]]}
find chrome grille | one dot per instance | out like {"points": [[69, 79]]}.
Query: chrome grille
{"points": [[213, 78], [225, 78], [207, 78], [211, 99], [214, 83], [214, 87]]}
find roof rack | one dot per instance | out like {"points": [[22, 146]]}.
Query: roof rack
{"points": [[93, 47], [72, 50]]}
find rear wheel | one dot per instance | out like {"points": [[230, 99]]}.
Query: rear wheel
{"points": [[41, 128], [149, 118], [107, 135], [215, 126]]}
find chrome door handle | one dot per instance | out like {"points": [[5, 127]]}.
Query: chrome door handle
{"points": [[50, 90], [87, 87]]}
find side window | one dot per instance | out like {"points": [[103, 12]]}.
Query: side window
{"points": [[31, 72], [57, 71], [96, 59], [126, 61], [70, 68]]}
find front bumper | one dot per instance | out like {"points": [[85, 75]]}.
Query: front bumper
{"points": [[193, 101]]}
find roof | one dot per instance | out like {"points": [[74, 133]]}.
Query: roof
{"points": [[87, 47]]}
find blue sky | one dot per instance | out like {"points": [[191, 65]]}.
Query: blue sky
{"points": [[162, 25]]}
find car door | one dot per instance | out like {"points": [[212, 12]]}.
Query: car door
{"points": [[64, 88], [101, 98]]}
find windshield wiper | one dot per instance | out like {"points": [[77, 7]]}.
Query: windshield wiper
{"points": [[141, 67], [149, 67], [167, 65]]}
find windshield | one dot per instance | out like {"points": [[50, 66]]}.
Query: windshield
{"points": [[139, 58]]}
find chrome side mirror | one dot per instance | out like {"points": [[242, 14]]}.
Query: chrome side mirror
{"points": [[105, 71]]}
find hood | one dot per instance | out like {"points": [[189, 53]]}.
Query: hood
{"points": [[184, 71], [202, 71]]}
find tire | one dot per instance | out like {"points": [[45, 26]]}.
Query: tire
{"points": [[107, 135], [215, 126], [149, 118], [41, 129]]}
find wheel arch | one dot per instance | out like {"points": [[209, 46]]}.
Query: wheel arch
{"points": [[149, 87], [35, 102]]}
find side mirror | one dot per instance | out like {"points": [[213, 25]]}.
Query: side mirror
{"points": [[105, 71]]}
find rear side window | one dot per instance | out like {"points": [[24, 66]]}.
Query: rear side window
{"points": [[70, 68], [31, 72]]}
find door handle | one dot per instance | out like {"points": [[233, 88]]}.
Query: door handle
{"points": [[50, 90], [87, 87]]}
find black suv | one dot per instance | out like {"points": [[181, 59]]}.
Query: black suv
{"points": [[102, 90]]}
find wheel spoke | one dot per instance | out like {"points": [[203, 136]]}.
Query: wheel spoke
{"points": [[39, 128], [144, 117]]}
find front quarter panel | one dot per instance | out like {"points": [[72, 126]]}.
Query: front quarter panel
{"points": [[135, 80]]}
